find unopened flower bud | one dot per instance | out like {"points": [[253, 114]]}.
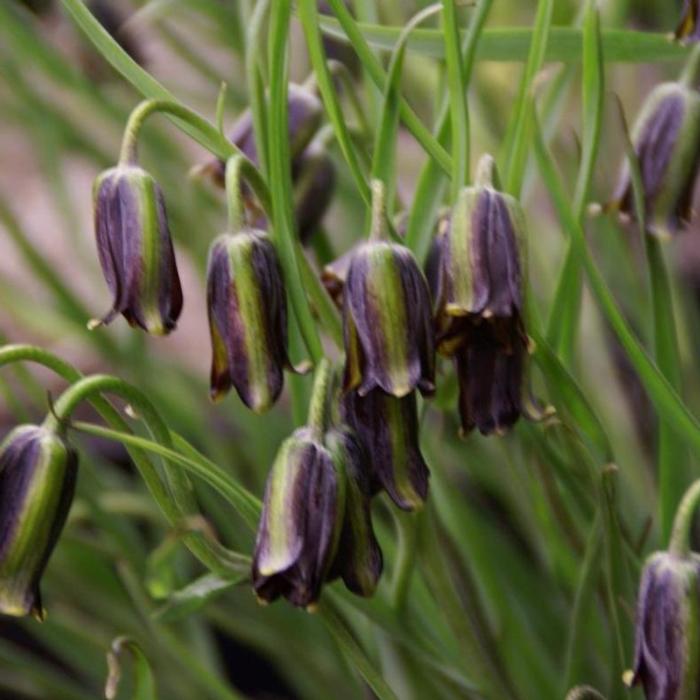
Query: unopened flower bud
{"points": [[301, 521], [666, 139], [387, 322], [247, 306], [37, 479], [135, 249], [388, 429], [667, 646]]}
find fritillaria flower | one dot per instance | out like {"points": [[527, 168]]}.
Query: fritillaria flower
{"points": [[667, 646], [387, 324], [37, 480], [475, 275], [135, 249], [666, 139], [247, 306], [301, 522]]}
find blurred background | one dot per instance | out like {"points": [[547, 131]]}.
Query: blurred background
{"points": [[62, 112]]}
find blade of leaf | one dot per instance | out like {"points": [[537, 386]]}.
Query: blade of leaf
{"points": [[516, 141], [431, 182], [508, 44], [666, 400], [374, 69], [564, 316]]}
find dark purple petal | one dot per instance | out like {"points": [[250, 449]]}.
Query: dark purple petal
{"points": [[388, 429], [654, 148]]}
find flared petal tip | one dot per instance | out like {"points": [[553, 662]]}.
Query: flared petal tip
{"points": [[29, 606]]}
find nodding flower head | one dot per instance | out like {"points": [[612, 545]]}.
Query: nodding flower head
{"points": [[301, 521], [135, 249], [476, 276], [666, 139], [667, 645], [387, 322], [247, 306], [37, 479]]}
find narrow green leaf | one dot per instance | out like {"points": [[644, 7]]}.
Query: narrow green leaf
{"points": [[564, 317], [517, 138], [383, 162], [670, 452], [375, 71], [354, 653], [194, 596], [245, 503], [281, 178], [309, 17], [429, 191], [510, 44], [458, 100], [666, 400]]}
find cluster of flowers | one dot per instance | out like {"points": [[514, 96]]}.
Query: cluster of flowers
{"points": [[468, 305]]}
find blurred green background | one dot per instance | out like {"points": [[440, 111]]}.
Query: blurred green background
{"points": [[514, 517]]}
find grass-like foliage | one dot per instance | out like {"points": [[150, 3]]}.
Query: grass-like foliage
{"points": [[515, 481]]}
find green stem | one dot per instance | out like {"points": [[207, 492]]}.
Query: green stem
{"points": [[309, 18], [458, 100], [202, 549], [493, 683], [375, 71], [319, 406], [691, 71], [407, 534], [420, 223], [234, 197], [680, 537], [378, 226], [660, 391], [182, 494], [256, 87], [128, 154], [340, 70], [353, 652]]}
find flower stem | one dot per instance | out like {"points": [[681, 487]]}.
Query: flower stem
{"points": [[234, 198], [680, 536], [320, 398], [225, 149], [407, 531], [378, 228], [207, 552], [691, 72], [178, 502]]}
